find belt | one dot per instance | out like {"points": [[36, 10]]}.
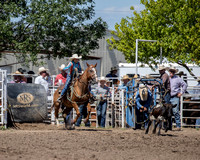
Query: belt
{"points": [[174, 96]]}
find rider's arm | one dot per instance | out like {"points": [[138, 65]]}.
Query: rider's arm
{"points": [[69, 69], [79, 68]]}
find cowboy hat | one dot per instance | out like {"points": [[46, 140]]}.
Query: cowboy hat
{"points": [[61, 67], [180, 73], [113, 69], [173, 69], [143, 91], [136, 76], [148, 76], [102, 79], [125, 77], [42, 69], [162, 67], [75, 56], [17, 72]]}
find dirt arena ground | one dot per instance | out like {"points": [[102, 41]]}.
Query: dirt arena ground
{"points": [[47, 142]]}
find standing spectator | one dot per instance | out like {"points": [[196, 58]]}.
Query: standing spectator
{"points": [[18, 78], [102, 92], [143, 101], [73, 67], [43, 78], [126, 80], [30, 78], [113, 74], [61, 78], [177, 88], [165, 83]]}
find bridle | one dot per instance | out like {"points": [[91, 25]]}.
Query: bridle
{"points": [[93, 76]]}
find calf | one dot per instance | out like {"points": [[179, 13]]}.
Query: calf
{"points": [[160, 113]]}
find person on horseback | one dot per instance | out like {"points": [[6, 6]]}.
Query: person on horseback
{"points": [[71, 68]]}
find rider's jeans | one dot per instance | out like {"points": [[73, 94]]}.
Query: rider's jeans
{"points": [[167, 97], [175, 100], [83, 114], [101, 113], [68, 81]]}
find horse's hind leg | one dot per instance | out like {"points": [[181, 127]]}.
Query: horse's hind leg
{"points": [[88, 113]]}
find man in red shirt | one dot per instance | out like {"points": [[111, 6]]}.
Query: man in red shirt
{"points": [[61, 78]]}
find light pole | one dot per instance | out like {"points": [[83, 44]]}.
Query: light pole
{"points": [[136, 52]]}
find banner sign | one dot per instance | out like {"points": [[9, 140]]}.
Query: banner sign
{"points": [[28, 102]]}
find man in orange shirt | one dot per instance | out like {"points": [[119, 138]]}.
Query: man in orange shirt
{"points": [[61, 78]]}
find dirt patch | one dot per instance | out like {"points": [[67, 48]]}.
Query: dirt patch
{"points": [[42, 141]]}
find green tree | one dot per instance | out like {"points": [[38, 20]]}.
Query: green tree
{"points": [[57, 28], [175, 24]]}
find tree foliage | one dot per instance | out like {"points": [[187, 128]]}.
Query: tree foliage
{"points": [[57, 28], [175, 24]]}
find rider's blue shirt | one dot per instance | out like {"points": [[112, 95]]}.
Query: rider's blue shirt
{"points": [[70, 69]]}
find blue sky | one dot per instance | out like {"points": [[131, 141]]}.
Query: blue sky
{"points": [[112, 11]]}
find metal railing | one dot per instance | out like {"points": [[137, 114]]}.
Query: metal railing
{"points": [[192, 99], [3, 98]]}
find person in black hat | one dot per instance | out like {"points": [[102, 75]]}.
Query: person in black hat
{"points": [[113, 74], [30, 78]]}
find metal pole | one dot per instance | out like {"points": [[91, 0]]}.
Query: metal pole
{"points": [[113, 107], [5, 98], [136, 57], [136, 51], [122, 108], [160, 55], [181, 111]]}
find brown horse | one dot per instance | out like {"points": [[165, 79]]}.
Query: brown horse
{"points": [[77, 94]]}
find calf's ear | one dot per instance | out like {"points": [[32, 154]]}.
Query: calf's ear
{"points": [[173, 106]]}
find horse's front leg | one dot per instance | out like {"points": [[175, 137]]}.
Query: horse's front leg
{"points": [[56, 110], [88, 113], [75, 106]]}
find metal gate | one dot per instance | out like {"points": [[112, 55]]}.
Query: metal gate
{"points": [[3, 98]]}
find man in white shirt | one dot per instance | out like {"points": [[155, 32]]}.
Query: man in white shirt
{"points": [[43, 78]]}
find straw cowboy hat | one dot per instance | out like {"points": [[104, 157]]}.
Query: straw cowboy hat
{"points": [[143, 91], [61, 67], [173, 69], [42, 69], [162, 67], [125, 77], [102, 79], [17, 72], [75, 56], [135, 76], [148, 76], [113, 69]]}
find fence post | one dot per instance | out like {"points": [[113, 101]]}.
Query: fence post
{"points": [[122, 98], [181, 111], [113, 109], [5, 98]]}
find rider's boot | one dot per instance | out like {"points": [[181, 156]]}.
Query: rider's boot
{"points": [[60, 98]]}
